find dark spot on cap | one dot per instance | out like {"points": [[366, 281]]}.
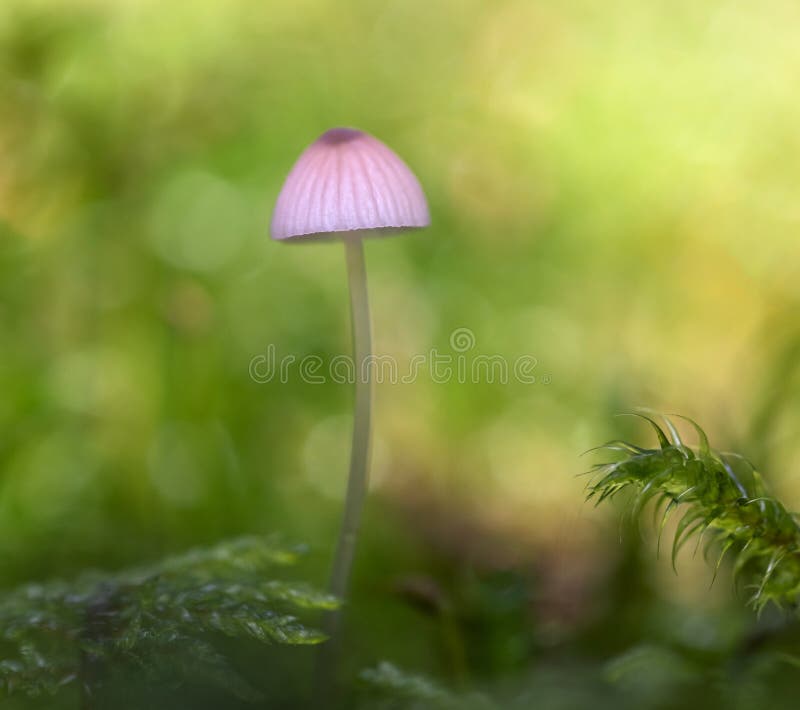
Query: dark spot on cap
{"points": [[339, 135]]}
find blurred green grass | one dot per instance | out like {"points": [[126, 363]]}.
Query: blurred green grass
{"points": [[613, 191]]}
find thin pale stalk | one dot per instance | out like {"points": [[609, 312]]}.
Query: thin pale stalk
{"points": [[358, 479]]}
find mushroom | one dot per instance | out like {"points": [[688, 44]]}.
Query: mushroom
{"points": [[347, 186]]}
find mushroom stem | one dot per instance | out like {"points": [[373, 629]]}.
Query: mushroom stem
{"points": [[359, 454], [359, 464]]}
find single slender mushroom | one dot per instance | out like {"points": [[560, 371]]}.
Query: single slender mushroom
{"points": [[347, 185]]}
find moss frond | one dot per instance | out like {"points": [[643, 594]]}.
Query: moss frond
{"points": [[390, 687], [161, 619], [722, 497]]}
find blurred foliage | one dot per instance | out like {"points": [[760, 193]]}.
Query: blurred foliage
{"points": [[143, 146]]}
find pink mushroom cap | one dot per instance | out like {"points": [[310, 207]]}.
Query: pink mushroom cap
{"points": [[347, 181]]}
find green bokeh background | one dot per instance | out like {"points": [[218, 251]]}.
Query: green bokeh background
{"points": [[614, 191]]}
